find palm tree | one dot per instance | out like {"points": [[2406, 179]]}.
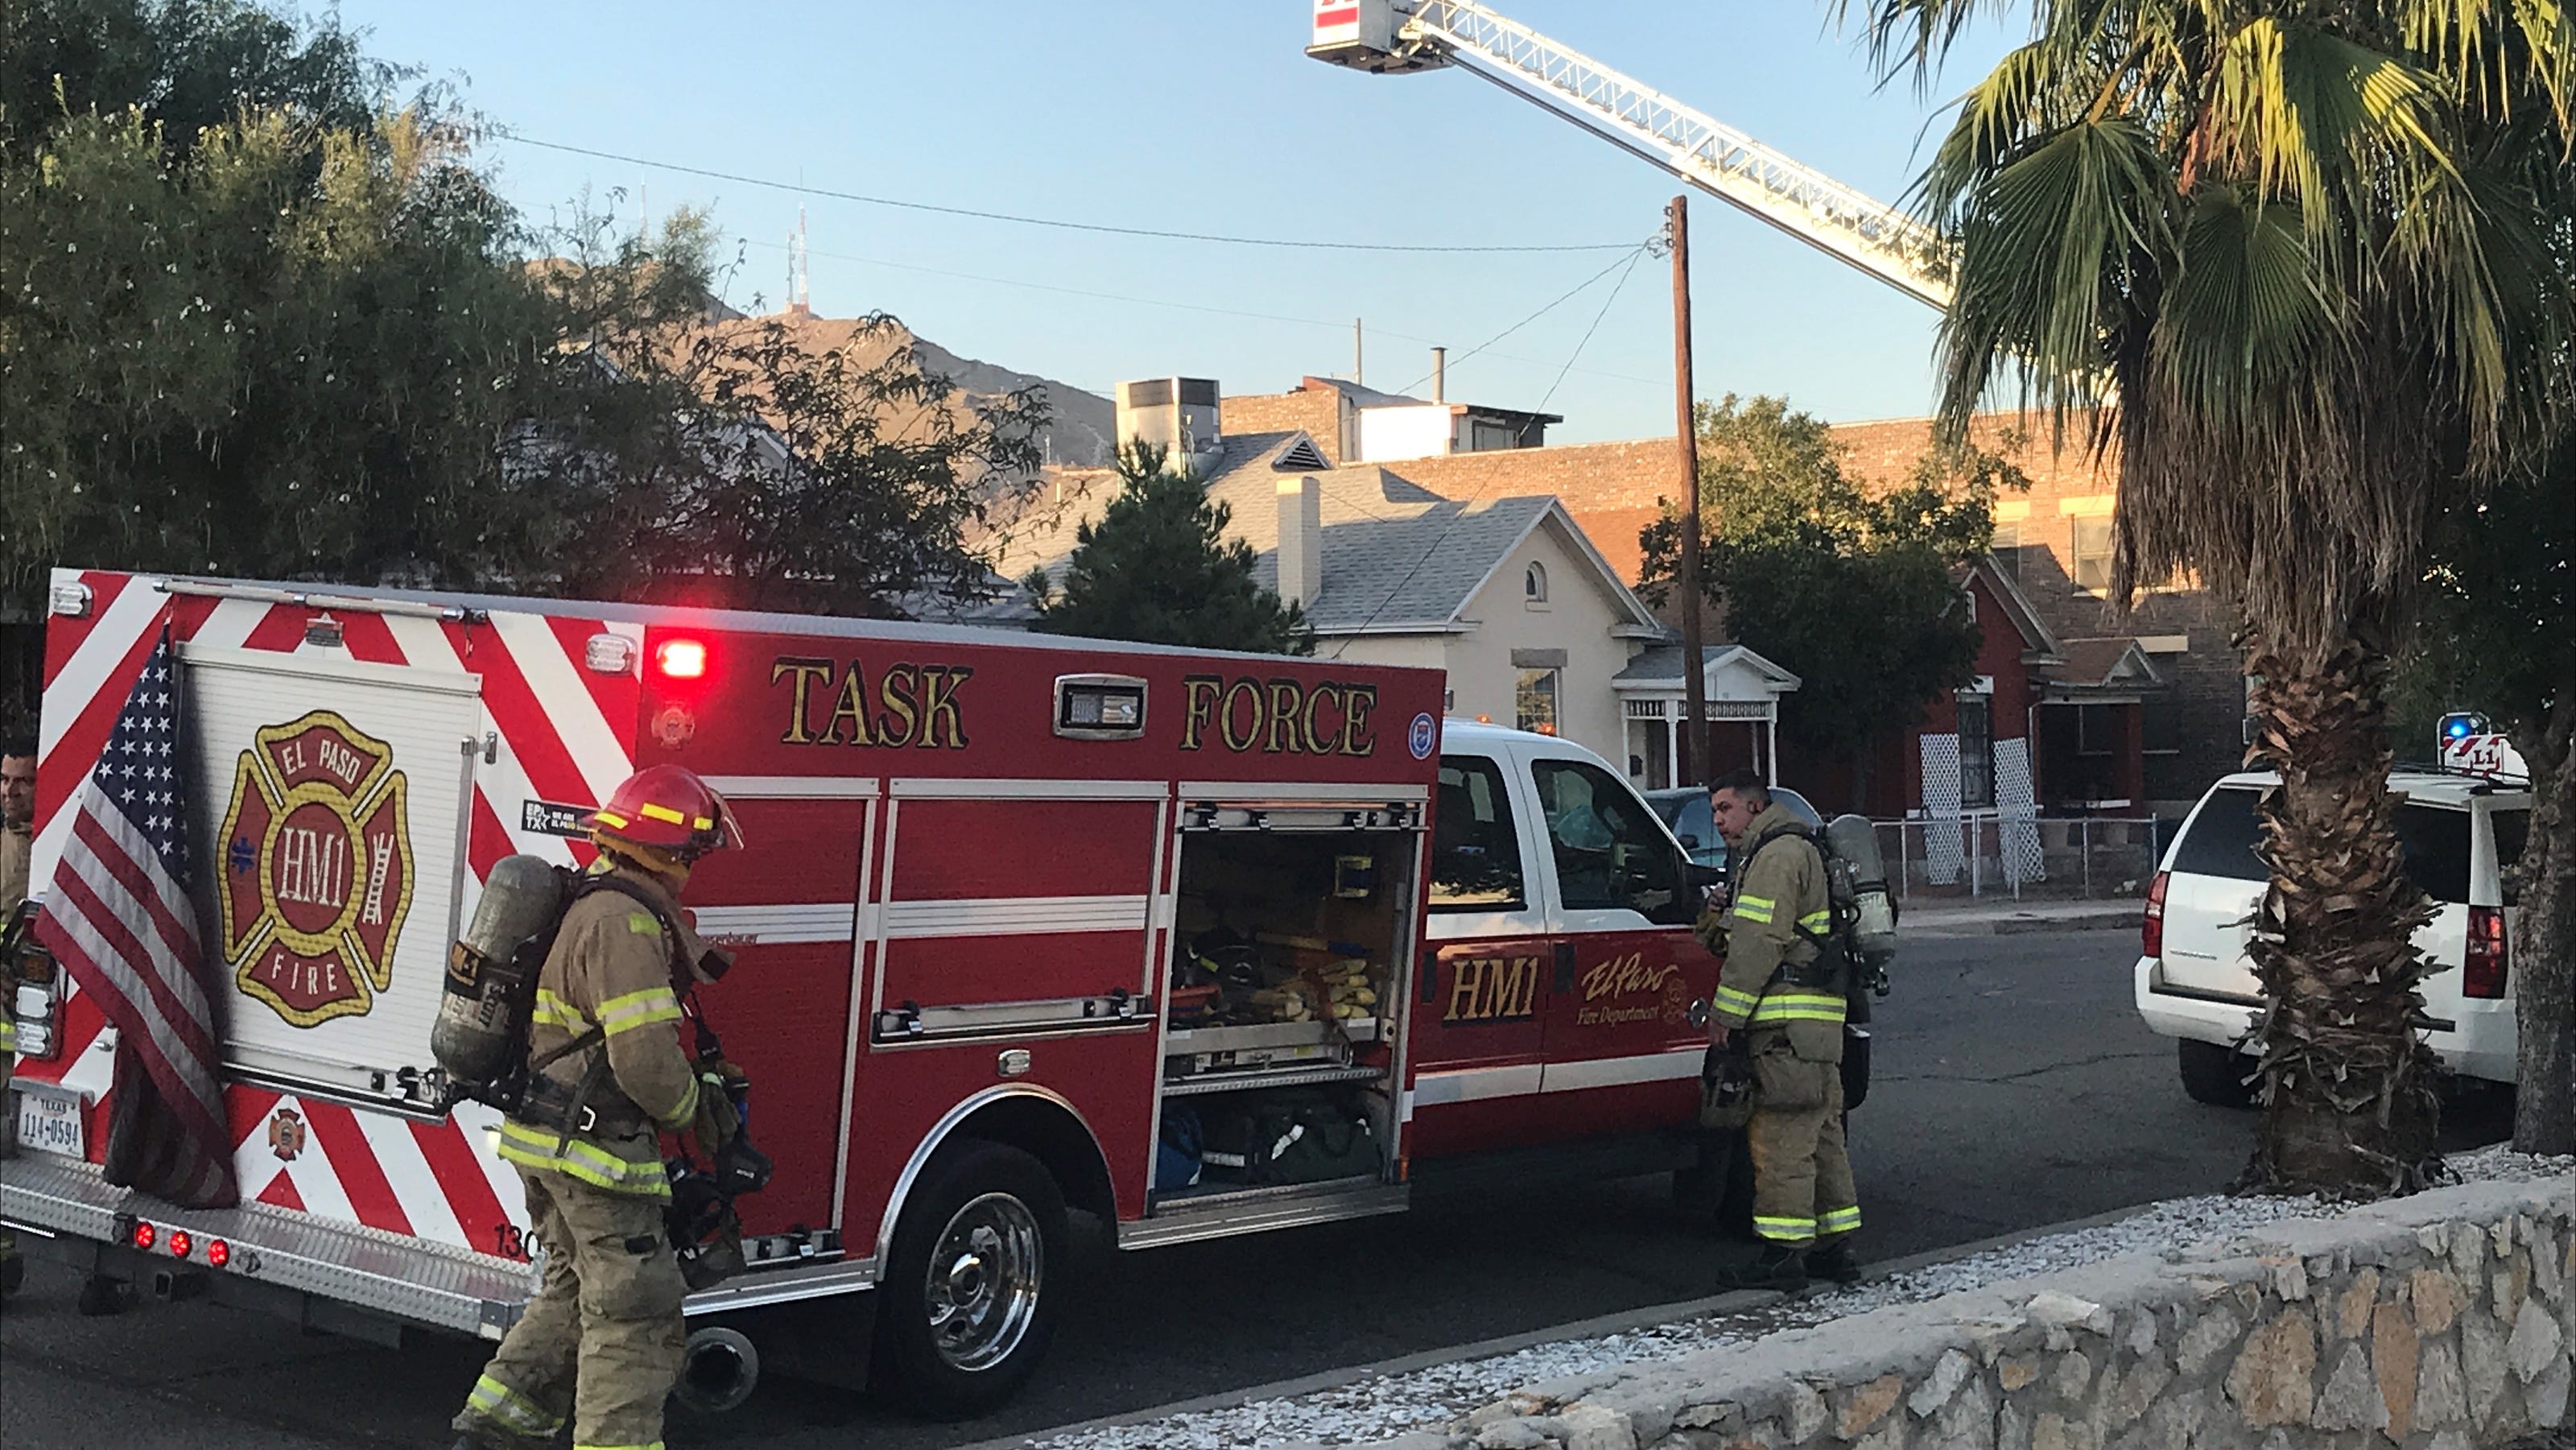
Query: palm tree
{"points": [[2306, 263]]}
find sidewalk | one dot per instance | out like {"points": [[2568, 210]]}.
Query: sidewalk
{"points": [[2000, 915]]}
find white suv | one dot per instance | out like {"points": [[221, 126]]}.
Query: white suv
{"points": [[2194, 983]]}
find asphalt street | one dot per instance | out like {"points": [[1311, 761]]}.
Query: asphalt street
{"points": [[2014, 1087]]}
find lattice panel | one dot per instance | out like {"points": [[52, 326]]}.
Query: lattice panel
{"points": [[1942, 858], [2024, 860]]}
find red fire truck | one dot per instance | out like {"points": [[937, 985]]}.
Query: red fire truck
{"points": [[1203, 944]]}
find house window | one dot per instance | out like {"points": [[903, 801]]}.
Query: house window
{"points": [[2160, 727], [1976, 749], [1534, 584], [1534, 701], [2097, 730], [2093, 555], [2006, 547]]}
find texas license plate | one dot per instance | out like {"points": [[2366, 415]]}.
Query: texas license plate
{"points": [[49, 1121]]}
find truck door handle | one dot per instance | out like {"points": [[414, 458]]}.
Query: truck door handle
{"points": [[1565, 966]]}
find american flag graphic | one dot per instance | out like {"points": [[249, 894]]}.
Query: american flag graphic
{"points": [[119, 919]]}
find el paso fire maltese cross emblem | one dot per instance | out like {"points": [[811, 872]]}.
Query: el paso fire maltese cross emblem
{"points": [[317, 869]]}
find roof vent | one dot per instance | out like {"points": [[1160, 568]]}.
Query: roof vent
{"points": [[1300, 456]]}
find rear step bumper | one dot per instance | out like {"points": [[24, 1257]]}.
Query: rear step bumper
{"points": [[275, 1252], [405, 1278]]}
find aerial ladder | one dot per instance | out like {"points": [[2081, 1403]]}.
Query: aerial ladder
{"points": [[1398, 37]]}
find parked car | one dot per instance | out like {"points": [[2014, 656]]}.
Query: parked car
{"points": [[1685, 809], [2196, 985]]}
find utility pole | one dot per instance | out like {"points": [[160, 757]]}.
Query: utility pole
{"points": [[1693, 767], [1359, 374]]}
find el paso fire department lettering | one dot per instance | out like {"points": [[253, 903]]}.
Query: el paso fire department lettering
{"points": [[1277, 716], [317, 869]]}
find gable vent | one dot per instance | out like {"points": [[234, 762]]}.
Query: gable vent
{"points": [[1300, 456]]}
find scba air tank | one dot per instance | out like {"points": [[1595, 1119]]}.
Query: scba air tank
{"points": [[1854, 842], [491, 975]]}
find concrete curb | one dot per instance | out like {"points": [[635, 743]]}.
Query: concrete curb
{"points": [[2121, 918], [1512, 1343]]}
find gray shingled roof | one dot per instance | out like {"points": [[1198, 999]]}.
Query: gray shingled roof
{"points": [[1396, 555]]}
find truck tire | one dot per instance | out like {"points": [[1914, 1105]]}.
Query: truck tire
{"points": [[2215, 1074], [973, 1283]]}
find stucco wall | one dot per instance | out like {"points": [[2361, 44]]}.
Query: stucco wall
{"points": [[1577, 619], [2436, 1322]]}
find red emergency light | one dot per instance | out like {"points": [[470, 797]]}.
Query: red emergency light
{"points": [[180, 1243], [681, 659]]}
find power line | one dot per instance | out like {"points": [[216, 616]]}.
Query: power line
{"points": [[1635, 251], [1615, 289], [1335, 324], [1030, 221]]}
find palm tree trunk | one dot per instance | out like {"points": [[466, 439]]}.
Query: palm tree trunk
{"points": [[2543, 960], [2349, 1107]]}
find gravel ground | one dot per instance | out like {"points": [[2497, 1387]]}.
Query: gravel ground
{"points": [[1377, 1408]]}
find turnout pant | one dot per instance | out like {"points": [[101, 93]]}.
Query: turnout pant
{"points": [[1802, 1178], [601, 1342]]}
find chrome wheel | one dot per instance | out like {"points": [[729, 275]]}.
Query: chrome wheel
{"points": [[981, 1286]]}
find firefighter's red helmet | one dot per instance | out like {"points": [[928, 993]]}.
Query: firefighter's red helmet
{"points": [[669, 808]]}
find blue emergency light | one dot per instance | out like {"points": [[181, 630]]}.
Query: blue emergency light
{"points": [[2460, 725]]}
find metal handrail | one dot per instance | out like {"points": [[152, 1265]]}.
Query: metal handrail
{"points": [[1816, 209]]}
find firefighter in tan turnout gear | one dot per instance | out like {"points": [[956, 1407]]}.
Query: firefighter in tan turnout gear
{"points": [[601, 1343], [1785, 994]]}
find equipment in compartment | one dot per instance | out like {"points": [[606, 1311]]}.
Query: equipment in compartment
{"points": [[1287, 1136]]}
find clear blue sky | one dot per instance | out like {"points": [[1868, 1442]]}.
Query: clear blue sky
{"points": [[1206, 117]]}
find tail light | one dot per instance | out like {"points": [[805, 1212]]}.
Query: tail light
{"points": [[180, 1243], [218, 1253], [2482, 967], [2151, 925], [145, 1236]]}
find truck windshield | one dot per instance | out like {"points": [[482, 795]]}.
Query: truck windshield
{"points": [[1610, 851]]}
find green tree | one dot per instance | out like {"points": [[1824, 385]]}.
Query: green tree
{"points": [[1156, 566], [263, 321], [1799, 554], [2499, 637], [2312, 253]]}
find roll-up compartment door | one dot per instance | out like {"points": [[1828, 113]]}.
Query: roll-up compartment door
{"points": [[329, 799]]}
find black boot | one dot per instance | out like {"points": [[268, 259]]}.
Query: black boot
{"points": [[1773, 1266], [1834, 1261]]}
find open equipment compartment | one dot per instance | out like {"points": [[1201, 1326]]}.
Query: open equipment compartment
{"points": [[1284, 1009]]}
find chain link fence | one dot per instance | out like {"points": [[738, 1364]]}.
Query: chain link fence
{"points": [[1982, 854]]}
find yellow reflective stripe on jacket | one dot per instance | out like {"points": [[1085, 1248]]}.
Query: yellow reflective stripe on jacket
{"points": [[554, 1011], [8, 1035], [688, 1108], [1755, 908], [1798, 1007], [638, 1445], [1728, 999], [498, 1402], [543, 1148], [1840, 1221], [635, 1009], [1816, 920]]}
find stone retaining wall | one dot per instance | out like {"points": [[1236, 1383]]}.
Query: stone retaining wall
{"points": [[2437, 1322]]}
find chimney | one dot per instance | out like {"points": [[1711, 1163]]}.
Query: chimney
{"points": [[1301, 540], [1440, 375]]}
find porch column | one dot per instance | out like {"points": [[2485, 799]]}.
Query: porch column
{"points": [[1771, 742]]}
